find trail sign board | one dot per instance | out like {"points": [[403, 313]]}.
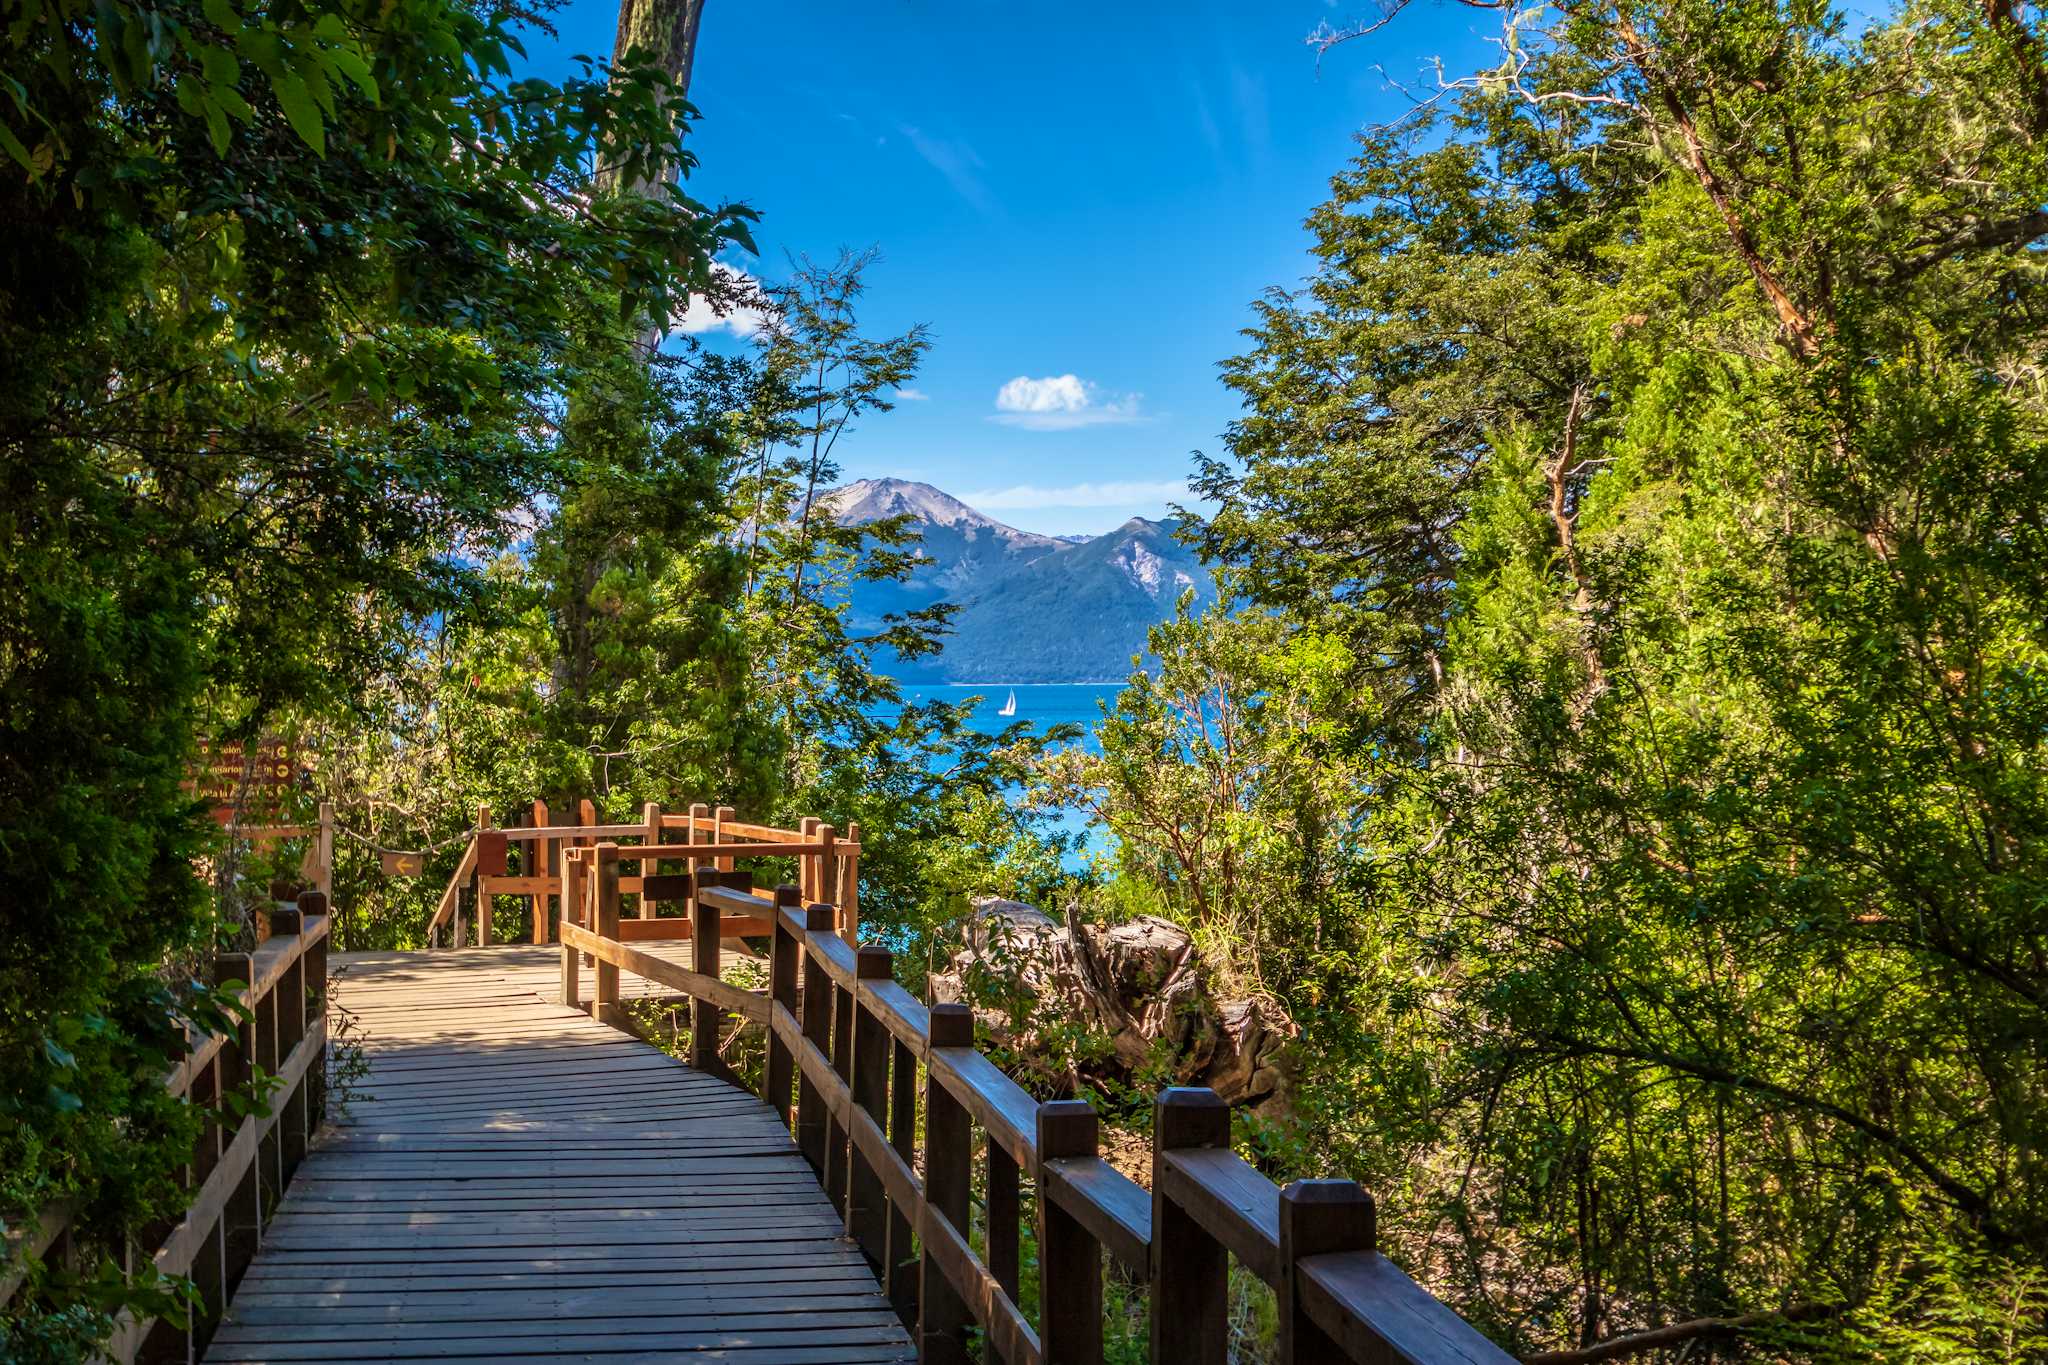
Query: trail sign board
{"points": [[401, 864], [229, 767]]}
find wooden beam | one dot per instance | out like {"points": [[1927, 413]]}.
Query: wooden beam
{"points": [[613, 955], [1190, 1269]]}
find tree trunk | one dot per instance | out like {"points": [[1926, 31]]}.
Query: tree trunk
{"points": [[667, 31]]}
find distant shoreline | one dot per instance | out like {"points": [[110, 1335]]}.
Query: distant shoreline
{"points": [[1079, 682]]}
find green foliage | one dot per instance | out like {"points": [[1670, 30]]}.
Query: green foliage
{"points": [[1657, 453], [1225, 777], [285, 295], [677, 631]]}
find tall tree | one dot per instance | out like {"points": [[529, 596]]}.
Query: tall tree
{"points": [[666, 31], [1659, 435], [287, 297]]}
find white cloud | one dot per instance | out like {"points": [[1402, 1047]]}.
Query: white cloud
{"points": [[1025, 496], [912, 396], [735, 305], [1059, 403]]}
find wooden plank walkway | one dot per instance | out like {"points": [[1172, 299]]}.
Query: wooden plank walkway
{"points": [[514, 1180]]}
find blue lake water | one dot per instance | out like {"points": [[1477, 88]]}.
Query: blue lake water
{"points": [[1043, 705]]}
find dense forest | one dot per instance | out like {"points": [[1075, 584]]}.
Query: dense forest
{"points": [[1618, 743]]}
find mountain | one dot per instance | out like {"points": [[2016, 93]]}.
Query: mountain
{"points": [[1077, 616], [962, 551], [1033, 608]]}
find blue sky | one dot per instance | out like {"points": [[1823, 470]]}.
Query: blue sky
{"points": [[1080, 201]]}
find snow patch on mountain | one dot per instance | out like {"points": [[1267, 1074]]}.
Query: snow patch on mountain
{"points": [[1031, 608], [877, 499]]}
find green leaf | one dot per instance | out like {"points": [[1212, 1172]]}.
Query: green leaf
{"points": [[351, 65], [63, 1101], [220, 66], [222, 14], [261, 47], [217, 130], [13, 146], [59, 1057], [300, 111], [316, 82]]}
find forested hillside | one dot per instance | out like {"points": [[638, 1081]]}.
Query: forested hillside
{"points": [[1613, 733], [1026, 608]]}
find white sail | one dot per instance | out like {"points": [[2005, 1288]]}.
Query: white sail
{"points": [[1009, 707]]}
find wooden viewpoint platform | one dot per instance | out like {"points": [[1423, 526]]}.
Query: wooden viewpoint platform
{"points": [[513, 1180]]}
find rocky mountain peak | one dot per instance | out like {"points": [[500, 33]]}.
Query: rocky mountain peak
{"points": [[874, 499], [1032, 608]]}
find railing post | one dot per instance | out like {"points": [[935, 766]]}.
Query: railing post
{"points": [[1069, 1259], [290, 1016], [813, 1119], [490, 853], [836, 1143], [572, 890], [541, 863], [650, 818], [948, 1173], [1005, 1230], [899, 1279], [849, 887], [823, 876], [806, 868], [605, 924], [867, 1205], [1190, 1269], [783, 967], [1317, 1216], [699, 813], [209, 1263], [720, 818], [704, 935], [323, 852], [241, 1221], [268, 1055], [314, 904], [576, 894]]}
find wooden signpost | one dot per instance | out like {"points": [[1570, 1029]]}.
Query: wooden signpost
{"points": [[228, 768]]}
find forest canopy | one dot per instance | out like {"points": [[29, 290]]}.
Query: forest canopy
{"points": [[1617, 746], [1650, 480]]}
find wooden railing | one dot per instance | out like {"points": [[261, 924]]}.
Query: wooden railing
{"points": [[239, 1167], [853, 1060], [828, 868]]}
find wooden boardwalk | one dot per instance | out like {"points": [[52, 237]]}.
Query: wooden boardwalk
{"points": [[514, 1180]]}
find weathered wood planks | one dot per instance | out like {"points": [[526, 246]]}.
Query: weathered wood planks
{"points": [[513, 1179]]}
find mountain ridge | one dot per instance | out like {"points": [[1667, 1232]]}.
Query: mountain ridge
{"points": [[1032, 608]]}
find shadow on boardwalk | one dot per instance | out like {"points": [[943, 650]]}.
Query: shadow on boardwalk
{"points": [[512, 1179]]}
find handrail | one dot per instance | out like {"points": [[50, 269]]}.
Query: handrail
{"points": [[828, 865], [847, 1049], [464, 870], [238, 1169]]}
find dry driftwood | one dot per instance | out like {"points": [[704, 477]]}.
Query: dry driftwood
{"points": [[1140, 984]]}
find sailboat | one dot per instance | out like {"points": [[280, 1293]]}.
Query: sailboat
{"points": [[1009, 707]]}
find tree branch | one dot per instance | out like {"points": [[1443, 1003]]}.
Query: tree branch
{"points": [[1678, 1333]]}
